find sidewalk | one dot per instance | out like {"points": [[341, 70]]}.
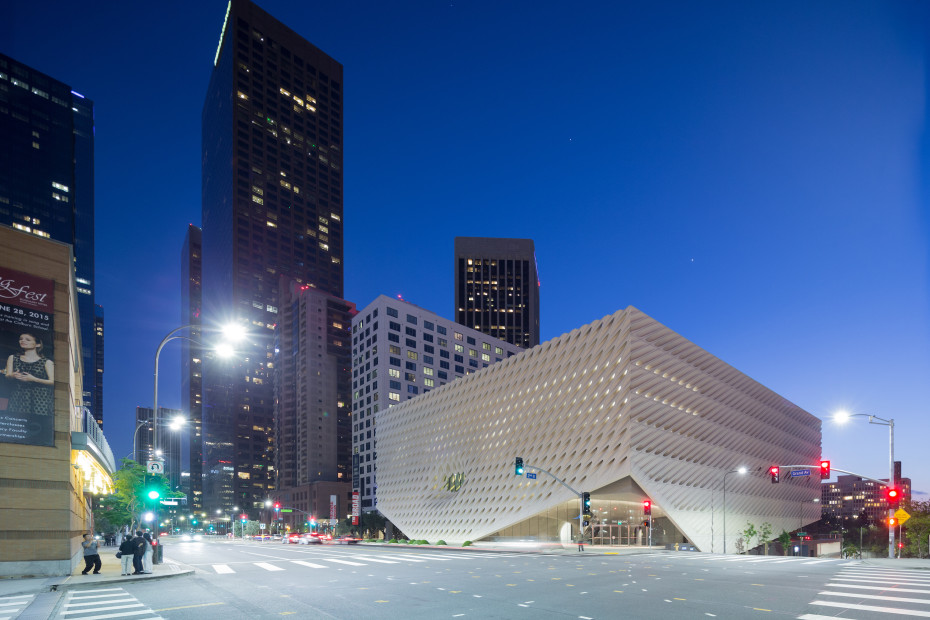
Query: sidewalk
{"points": [[109, 574]]}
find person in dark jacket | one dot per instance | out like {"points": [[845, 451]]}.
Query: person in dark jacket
{"points": [[127, 550], [138, 550]]}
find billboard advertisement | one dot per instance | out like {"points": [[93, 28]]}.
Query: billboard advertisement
{"points": [[27, 382]]}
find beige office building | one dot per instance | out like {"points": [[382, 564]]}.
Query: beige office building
{"points": [[54, 459]]}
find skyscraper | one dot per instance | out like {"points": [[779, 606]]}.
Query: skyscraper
{"points": [[47, 181], [313, 398], [191, 360], [497, 288], [272, 206]]}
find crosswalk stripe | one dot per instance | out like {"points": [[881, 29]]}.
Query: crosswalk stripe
{"points": [[126, 599], [816, 617], [888, 580], [123, 614], [310, 564], [222, 569], [406, 559], [818, 561], [107, 608], [342, 561], [267, 566], [886, 610], [370, 559], [878, 597], [849, 585]]}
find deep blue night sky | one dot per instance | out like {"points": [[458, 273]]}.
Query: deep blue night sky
{"points": [[753, 175]]}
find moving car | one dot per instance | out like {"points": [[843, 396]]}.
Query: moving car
{"points": [[310, 539], [347, 540], [291, 538], [190, 537]]}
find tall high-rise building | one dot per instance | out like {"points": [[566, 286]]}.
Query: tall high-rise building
{"points": [[497, 288], [399, 351], [169, 441], [313, 398], [47, 181], [272, 206], [192, 361], [97, 409]]}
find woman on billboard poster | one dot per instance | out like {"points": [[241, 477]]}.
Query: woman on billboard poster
{"points": [[34, 377]]}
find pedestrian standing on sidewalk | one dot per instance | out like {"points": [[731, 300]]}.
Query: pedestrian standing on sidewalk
{"points": [[138, 550], [147, 557], [126, 549], [91, 555]]}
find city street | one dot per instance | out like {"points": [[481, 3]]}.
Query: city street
{"points": [[246, 579]]}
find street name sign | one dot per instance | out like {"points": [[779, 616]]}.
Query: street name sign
{"points": [[800, 472], [531, 475]]}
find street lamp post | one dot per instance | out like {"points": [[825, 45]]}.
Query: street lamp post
{"points": [[842, 417], [135, 433], [741, 470]]}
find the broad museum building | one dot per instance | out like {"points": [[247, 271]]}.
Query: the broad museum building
{"points": [[623, 408]]}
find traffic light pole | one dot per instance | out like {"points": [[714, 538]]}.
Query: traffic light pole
{"points": [[578, 493]]}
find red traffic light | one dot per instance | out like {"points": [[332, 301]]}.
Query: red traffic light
{"points": [[892, 496], [773, 470], [277, 506], [647, 507], [824, 469]]}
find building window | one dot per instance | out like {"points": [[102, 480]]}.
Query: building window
{"points": [[458, 336], [391, 312], [394, 349], [411, 332], [459, 348], [413, 355], [486, 346], [428, 382], [411, 366], [394, 396], [411, 319], [394, 326], [393, 373], [428, 325], [427, 371], [394, 337]]}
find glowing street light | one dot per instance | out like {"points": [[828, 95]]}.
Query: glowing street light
{"points": [[844, 416], [740, 470]]}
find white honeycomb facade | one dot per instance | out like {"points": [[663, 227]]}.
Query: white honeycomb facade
{"points": [[622, 400]]}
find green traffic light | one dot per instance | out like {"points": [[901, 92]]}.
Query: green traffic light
{"points": [[154, 494]]}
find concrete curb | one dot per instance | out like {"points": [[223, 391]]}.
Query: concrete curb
{"points": [[74, 581]]}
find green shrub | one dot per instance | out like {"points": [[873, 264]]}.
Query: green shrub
{"points": [[441, 543], [467, 543], [393, 541]]}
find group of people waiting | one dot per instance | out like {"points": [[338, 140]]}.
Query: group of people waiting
{"points": [[135, 552]]}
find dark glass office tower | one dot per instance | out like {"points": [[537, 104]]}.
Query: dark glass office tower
{"points": [[192, 361], [47, 180], [98, 364], [497, 288], [272, 206]]}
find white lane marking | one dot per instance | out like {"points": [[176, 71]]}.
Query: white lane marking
{"points": [[310, 564], [882, 588], [368, 558], [401, 557], [222, 569], [342, 561], [816, 617], [268, 566], [93, 593], [877, 597], [886, 610], [817, 561]]}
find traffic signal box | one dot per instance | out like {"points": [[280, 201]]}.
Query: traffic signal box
{"points": [[518, 466], [824, 470], [774, 471], [647, 507], [892, 496]]}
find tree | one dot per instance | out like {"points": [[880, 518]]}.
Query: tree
{"points": [[131, 486], [749, 533], [917, 529], [765, 536], [785, 539]]}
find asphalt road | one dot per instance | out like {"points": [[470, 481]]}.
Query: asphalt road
{"points": [[236, 580]]}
